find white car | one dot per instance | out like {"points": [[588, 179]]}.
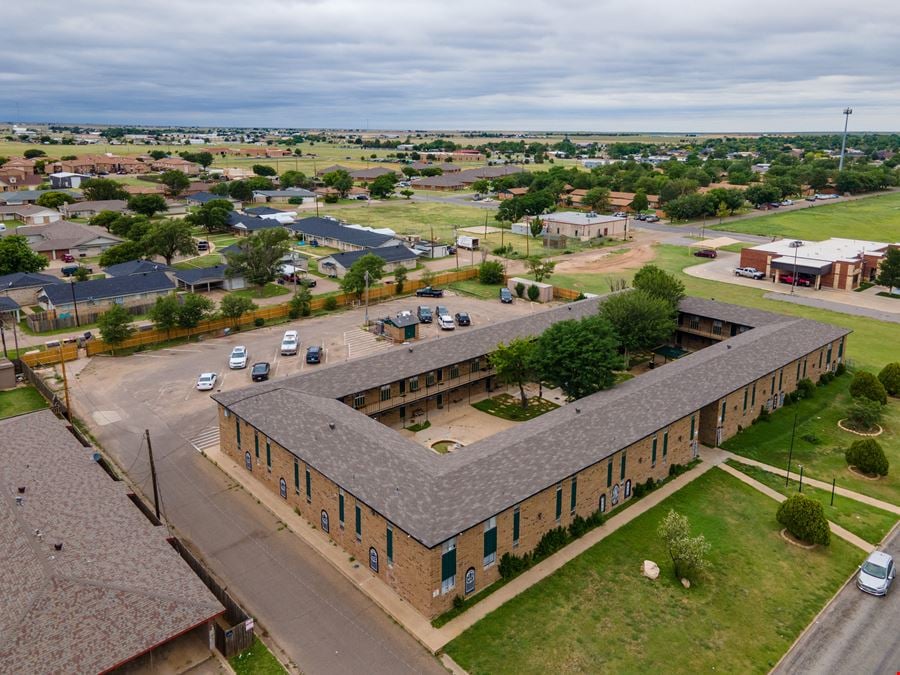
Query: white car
{"points": [[445, 321], [290, 343], [238, 358], [787, 202], [206, 381]]}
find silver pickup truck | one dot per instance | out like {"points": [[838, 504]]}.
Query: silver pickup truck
{"points": [[750, 272]]}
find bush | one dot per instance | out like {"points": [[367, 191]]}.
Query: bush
{"points": [[890, 378], [641, 489], [826, 378], [458, 602], [812, 439], [764, 414], [330, 303], [806, 388], [331, 199], [513, 565], [805, 519], [866, 385], [504, 250], [867, 456], [490, 272], [533, 292], [551, 542], [520, 289], [864, 415], [259, 322], [840, 370]]}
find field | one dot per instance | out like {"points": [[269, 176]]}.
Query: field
{"points": [[20, 400], [598, 614], [873, 219]]}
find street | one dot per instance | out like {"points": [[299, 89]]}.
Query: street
{"points": [[856, 634]]}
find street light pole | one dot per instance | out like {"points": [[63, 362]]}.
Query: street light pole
{"points": [[847, 113]]}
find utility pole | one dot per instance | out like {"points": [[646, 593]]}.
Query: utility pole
{"points": [[62, 360], [75, 302], [847, 113], [153, 474]]}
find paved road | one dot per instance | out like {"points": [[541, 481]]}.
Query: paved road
{"points": [[856, 634], [843, 307]]}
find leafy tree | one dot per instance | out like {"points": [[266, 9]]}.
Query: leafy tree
{"points": [[640, 202], [233, 306], [354, 281], [400, 277], [889, 271], [868, 456], [490, 272], [258, 258], [147, 205], [864, 415], [115, 326], [53, 200], [221, 189], [105, 219], [383, 186], [212, 216], [156, 154], [17, 256], [81, 273], [660, 284], [194, 309], [204, 159], [294, 179], [432, 171], [866, 385], [33, 152], [805, 519], [340, 180], [640, 320], [688, 554], [520, 289], [536, 227], [300, 304], [722, 211], [513, 364], [482, 186], [597, 199], [530, 204], [264, 170], [175, 181], [102, 189], [164, 313], [406, 192], [130, 227], [170, 237], [762, 194], [428, 277], [578, 356], [259, 183], [127, 250], [540, 269], [890, 378], [240, 190], [409, 172]]}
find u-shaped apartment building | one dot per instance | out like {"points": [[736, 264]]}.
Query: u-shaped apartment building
{"points": [[434, 526]]}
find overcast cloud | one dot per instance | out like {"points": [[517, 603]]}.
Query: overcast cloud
{"points": [[616, 65]]}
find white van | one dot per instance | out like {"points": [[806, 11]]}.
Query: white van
{"points": [[290, 343]]}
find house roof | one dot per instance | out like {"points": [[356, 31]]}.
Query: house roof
{"points": [[287, 192], [134, 267], [408, 486], [63, 234], [116, 577], [577, 218], [830, 250], [201, 275], [103, 289], [204, 197], [100, 205], [390, 254], [27, 280], [262, 211], [444, 180], [403, 320], [251, 223], [332, 169], [20, 196], [7, 304], [366, 174], [27, 210], [323, 227]]}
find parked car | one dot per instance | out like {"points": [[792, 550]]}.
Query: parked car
{"points": [[706, 253], [429, 292], [506, 296], [787, 202], [749, 272], [462, 319], [206, 381], [314, 354], [202, 245], [789, 279], [811, 198], [876, 574], [651, 218], [238, 358], [70, 270], [620, 214], [820, 195], [290, 343], [68, 257], [424, 313], [445, 321], [260, 371], [640, 216]]}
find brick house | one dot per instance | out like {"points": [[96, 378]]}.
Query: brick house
{"points": [[62, 237], [100, 294]]}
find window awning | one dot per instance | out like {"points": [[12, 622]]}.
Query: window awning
{"points": [[803, 265]]}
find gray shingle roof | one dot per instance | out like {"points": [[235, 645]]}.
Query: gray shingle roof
{"points": [[8, 304], [116, 579], [323, 227], [287, 192], [390, 254], [199, 275], [134, 267], [27, 280], [410, 486], [103, 289]]}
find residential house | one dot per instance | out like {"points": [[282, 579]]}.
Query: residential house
{"points": [[509, 193], [244, 224], [23, 286], [100, 294], [19, 197], [334, 234], [127, 269], [176, 164], [337, 264], [65, 237], [91, 209], [9, 308], [444, 182], [13, 181], [29, 214], [332, 169], [201, 198], [285, 196], [366, 176], [583, 226], [208, 279]]}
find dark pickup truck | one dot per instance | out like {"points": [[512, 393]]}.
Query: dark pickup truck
{"points": [[429, 292]]}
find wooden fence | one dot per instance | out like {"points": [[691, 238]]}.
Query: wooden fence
{"points": [[43, 322], [68, 351], [565, 293]]}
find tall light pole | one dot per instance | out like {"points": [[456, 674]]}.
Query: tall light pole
{"points": [[847, 113], [796, 246]]}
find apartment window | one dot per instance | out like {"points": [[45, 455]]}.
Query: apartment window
{"points": [[717, 327], [359, 400], [414, 383], [256, 444], [516, 518], [558, 502], [390, 544], [308, 485], [798, 370], [693, 426], [804, 367], [828, 358], [653, 452], [695, 323], [429, 379], [358, 523], [440, 374], [665, 445], [386, 393], [401, 385], [622, 468], [722, 417], [773, 383], [454, 372], [296, 476], [821, 354], [448, 565], [402, 413], [841, 348], [237, 428], [341, 507], [268, 455], [609, 470], [746, 396], [476, 365], [753, 396], [490, 541], [781, 378]]}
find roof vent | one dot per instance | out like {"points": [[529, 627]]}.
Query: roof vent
{"points": [[577, 410], [410, 349], [22, 490], [331, 425], [20, 500], [38, 534], [58, 546]]}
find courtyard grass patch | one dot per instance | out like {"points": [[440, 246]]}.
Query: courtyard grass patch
{"points": [[478, 289], [819, 443], [206, 260], [421, 426], [509, 407], [257, 660], [20, 400], [868, 522], [598, 614], [268, 291]]}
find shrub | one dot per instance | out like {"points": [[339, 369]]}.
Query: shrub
{"points": [[806, 388], [646, 487], [259, 322], [866, 385], [513, 565], [551, 542], [520, 289], [867, 456], [890, 378], [490, 272], [577, 527], [840, 370], [458, 602], [864, 415], [826, 378], [810, 438], [331, 303], [581, 296], [763, 414], [533, 292], [331, 199], [805, 519]]}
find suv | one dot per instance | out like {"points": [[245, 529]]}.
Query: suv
{"points": [[749, 272], [651, 218], [445, 321], [290, 343], [238, 358], [440, 311], [506, 296], [424, 313], [314, 354], [706, 253]]}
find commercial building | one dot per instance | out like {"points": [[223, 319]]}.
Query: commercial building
{"points": [[583, 226], [433, 526]]}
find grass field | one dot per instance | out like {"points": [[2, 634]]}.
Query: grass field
{"points": [[20, 400], [207, 260], [598, 614], [478, 289], [268, 291], [873, 218]]}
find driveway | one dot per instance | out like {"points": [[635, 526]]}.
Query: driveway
{"points": [[856, 634]]}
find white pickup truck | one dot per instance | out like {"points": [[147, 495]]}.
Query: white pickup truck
{"points": [[749, 272]]}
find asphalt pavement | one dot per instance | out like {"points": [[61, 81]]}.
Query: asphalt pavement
{"points": [[857, 633]]}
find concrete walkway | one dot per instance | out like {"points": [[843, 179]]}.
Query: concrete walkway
{"points": [[778, 497]]}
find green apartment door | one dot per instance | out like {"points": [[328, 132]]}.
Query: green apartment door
{"points": [[409, 332]]}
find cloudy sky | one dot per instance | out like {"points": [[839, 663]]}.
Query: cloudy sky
{"points": [[601, 65]]}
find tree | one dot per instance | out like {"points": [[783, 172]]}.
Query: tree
{"points": [[641, 321], [534, 293], [660, 284], [175, 181], [722, 211], [482, 186], [688, 554], [194, 309], [805, 519], [540, 269], [169, 237], [130, 227], [890, 378], [33, 152], [578, 356], [115, 326], [536, 227], [263, 170], [204, 158], [866, 385], [105, 219], [400, 276], [428, 277], [53, 200], [406, 192], [340, 180], [16, 256], [889, 271], [259, 257], [147, 205], [864, 415], [81, 273], [234, 306], [294, 179], [640, 202], [383, 186], [762, 194], [490, 272], [157, 154], [240, 190], [127, 250], [300, 304], [514, 364], [164, 313], [354, 281], [597, 199], [212, 216], [868, 456], [103, 189]]}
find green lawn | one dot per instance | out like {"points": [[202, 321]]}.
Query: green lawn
{"points": [[819, 443], [598, 614], [868, 522], [257, 660], [509, 407], [873, 218], [207, 260], [20, 400], [268, 291], [478, 289]]}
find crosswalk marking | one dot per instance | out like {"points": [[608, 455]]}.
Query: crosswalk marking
{"points": [[362, 343], [206, 439]]}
